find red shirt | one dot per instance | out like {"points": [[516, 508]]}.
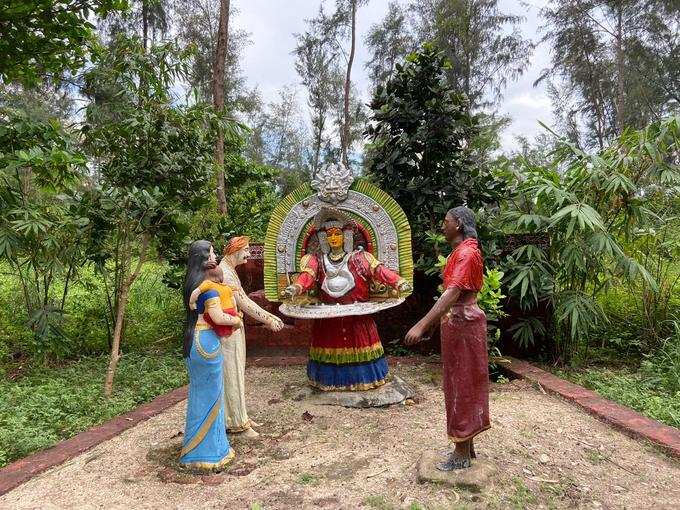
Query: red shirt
{"points": [[465, 267]]}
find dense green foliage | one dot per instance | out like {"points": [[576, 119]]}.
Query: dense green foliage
{"points": [[154, 319], [421, 146], [42, 38], [40, 214], [49, 404], [154, 158], [51, 391], [597, 210]]}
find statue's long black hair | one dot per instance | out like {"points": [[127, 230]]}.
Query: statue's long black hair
{"points": [[199, 252], [467, 221]]}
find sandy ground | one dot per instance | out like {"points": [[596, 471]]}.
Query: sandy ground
{"points": [[549, 454]]}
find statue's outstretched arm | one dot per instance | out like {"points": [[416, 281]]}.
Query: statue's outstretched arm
{"points": [[384, 274], [252, 309], [247, 305], [307, 277]]}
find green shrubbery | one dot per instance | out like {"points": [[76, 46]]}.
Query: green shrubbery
{"points": [[51, 386], [49, 404], [154, 320], [633, 389], [608, 218], [662, 367]]}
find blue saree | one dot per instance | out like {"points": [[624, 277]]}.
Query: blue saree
{"points": [[206, 445]]}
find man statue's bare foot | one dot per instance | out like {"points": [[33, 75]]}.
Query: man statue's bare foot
{"points": [[454, 462], [253, 423], [249, 433]]}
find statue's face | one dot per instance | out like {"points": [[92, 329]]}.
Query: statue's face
{"points": [[242, 255], [450, 227], [211, 255], [335, 237]]}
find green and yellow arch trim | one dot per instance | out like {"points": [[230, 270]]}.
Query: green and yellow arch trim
{"points": [[305, 191]]}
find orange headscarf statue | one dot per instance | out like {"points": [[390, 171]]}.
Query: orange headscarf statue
{"points": [[236, 252], [236, 244]]}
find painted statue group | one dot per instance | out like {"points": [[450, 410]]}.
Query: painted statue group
{"points": [[336, 252]]}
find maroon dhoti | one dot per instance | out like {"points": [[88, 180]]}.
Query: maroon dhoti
{"points": [[466, 371]]}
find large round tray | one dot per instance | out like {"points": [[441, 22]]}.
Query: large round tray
{"points": [[324, 311]]}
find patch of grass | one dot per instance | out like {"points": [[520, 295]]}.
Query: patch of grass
{"points": [[630, 389], [527, 433], [522, 497], [553, 489], [560, 493], [50, 404], [307, 479], [381, 503], [595, 457]]}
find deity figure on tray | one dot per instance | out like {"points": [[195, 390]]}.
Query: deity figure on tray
{"points": [[337, 251], [345, 352]]}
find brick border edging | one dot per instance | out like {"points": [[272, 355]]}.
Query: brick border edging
{"points": [[620, 417]]}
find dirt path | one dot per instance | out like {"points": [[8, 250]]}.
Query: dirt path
{"points": [[550, 455]]}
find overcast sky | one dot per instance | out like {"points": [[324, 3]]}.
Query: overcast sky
{"points": [[268, 62]]}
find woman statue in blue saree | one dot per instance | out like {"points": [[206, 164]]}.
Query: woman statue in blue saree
{"points": [[206, 446]]}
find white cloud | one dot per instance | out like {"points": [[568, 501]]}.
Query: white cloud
{"points": [[537, 101]]}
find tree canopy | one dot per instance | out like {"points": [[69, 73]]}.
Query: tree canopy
{"points": [[47, 38]]}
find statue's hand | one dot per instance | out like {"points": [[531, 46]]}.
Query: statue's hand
{"points": [[405, 287], [238, 323], [275, 325], [291, 291], [415, 334]]}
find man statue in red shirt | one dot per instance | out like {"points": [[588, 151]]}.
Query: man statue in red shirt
{"points": [[463, 339]]}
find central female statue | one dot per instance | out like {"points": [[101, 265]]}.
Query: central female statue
{"points": [[345, 352]]}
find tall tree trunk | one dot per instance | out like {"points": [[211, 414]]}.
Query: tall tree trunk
{"points": [[318, 138], [145, 24], [345, 130], [120, 317], [620, 90], [467, 70], [218, 99]]}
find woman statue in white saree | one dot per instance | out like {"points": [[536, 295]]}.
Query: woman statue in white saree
{"points": [[234, 347]]}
